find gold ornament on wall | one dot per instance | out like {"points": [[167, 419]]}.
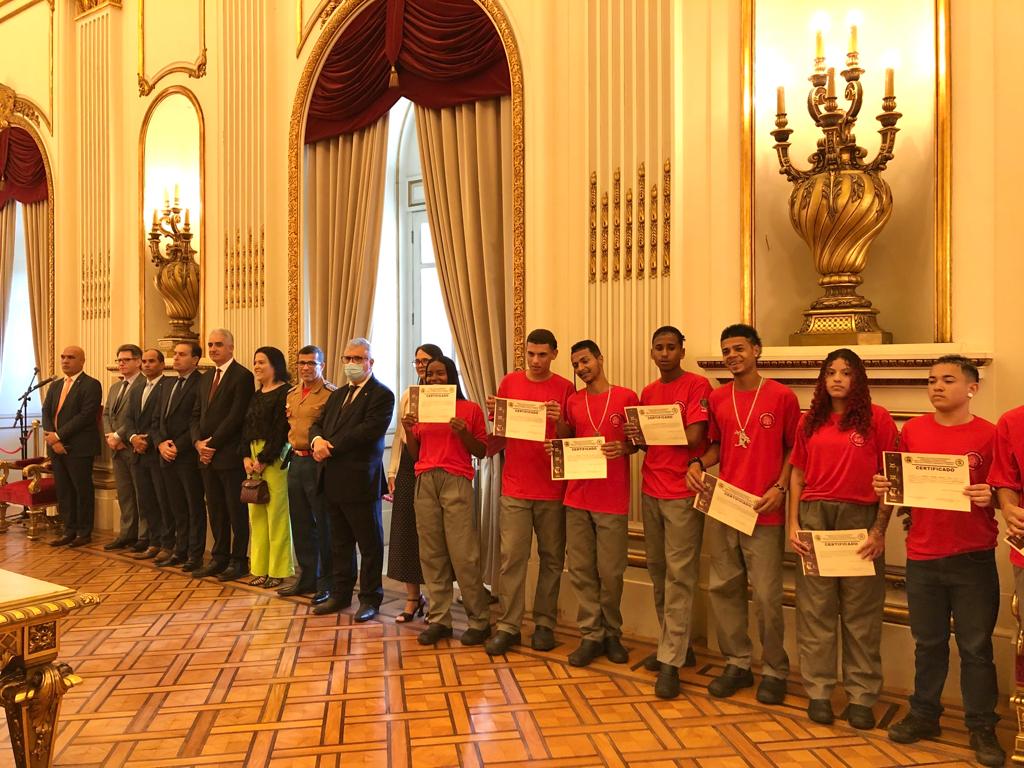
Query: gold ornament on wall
{"points": [[841, 203], [593, 227], [604, 237], [652, 262], [641, 219], [629, 234], [666, 228], [617, 224], [177, 278]]}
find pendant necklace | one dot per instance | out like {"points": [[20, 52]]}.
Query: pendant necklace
{"points": [[586, 399], [742, 438]]}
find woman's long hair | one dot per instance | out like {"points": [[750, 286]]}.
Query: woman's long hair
{"points": [[276, 359], [453, 375], [431, 349], [857, 415]]}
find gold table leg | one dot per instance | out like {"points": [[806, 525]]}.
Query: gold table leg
{"points": [[32, 700]]}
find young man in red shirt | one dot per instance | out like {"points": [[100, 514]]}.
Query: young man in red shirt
{"points": [[951, 567], [673, 529], [531, 502], [752, 429], [596, 510]]}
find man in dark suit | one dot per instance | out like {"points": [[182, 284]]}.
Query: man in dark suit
{"points": [[71, 427], [217, 418], [129, 358], [180, 463], [138, 430], [348, 441]]}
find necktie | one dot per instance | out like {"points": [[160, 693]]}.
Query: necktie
{"points": [[147, 391], [352, 389], [120, 395], [63, 395], [216, 383], [174, 394]]}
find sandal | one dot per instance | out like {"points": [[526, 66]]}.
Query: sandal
{"points": [[406, 616], [272, 582], [258, 581]]}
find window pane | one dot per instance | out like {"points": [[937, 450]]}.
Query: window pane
{"points": [[434, 327], [426, 244]]}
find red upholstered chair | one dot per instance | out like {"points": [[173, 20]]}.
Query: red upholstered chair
{"points": [[35, 492]]}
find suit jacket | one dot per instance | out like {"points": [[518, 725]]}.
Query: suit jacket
{"points": [[176, 425], [78, 425], [221, 419], [114, 417], [355, 470], [143, 420]]}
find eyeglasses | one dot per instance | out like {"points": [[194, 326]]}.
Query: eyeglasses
{"points": [[357, 359], [307, 363], [421, 361], [123, 360]]}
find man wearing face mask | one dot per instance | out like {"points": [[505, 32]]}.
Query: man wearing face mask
{"points": [[347, 440]]}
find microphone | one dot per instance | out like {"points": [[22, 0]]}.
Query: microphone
{"points": [[43, 383]]}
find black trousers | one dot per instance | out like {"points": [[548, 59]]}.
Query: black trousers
{"points": [[72, 476], [152, 499], [185, 499], [966, 588], [229, 517], [357, 524], [311, 535]]}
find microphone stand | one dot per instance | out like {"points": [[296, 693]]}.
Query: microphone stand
{"points": [[21, 417]]}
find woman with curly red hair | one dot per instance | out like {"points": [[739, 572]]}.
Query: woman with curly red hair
{"points": [[839, 446]]}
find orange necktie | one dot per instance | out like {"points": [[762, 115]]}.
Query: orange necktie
{"points": [[63, 396]]}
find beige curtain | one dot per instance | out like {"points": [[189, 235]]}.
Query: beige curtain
{"points": [[37, 254], [466, 153], [344, 207], [7, 220]]}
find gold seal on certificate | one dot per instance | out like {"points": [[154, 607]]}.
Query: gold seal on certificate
{"points": [[727, 504], [520, 419], [658, 424], [432, 403], [578, 458], [834, 553], [927, 480]]}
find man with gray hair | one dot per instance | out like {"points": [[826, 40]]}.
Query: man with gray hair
{"points": [[347, 440]]}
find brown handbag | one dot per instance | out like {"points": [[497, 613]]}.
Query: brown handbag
{"points": [[255, 490]]}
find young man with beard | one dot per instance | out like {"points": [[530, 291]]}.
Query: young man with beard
{"points": [[752, 431]]}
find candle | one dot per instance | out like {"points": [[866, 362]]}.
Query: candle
{"points": [[819, 45], [888, 83], [853, 38], [156, 221], [780, 100], [167, 200], [831, 83], [186, 218], [175, 194]]}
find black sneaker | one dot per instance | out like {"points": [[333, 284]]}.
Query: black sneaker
{"points": [[501, 642], [667, 684], [474, 636], [772, 690], [914, 728], [731, 680], [543, 639], [986, 747], [432, 634]]}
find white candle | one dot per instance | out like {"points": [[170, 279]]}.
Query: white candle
{"points": [[853, 38], [889, 83], [780, 100]]}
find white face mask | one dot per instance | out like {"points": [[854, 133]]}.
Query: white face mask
{"points": [[355, 372]]}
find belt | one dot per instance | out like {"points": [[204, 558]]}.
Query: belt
{"points": [[299, 452]]}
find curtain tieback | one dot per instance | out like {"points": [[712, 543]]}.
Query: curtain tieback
{"points": [[393, 77]]}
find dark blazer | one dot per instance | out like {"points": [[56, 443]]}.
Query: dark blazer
{"points": [[221, 419], [176, 425], [79, 422], [141, 420], [355, 470]]}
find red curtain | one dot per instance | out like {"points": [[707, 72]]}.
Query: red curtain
{"points": [[22, 173], [444, 52]]}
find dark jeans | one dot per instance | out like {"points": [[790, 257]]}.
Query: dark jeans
{"points": [[966, 588], [185, 498], [311, 535], [229, 517]]}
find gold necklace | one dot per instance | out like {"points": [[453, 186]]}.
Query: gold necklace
{"points": [[742, 438]]}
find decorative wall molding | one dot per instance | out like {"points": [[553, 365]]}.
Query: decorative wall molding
{"points": [[195, 70], [305, 24], [83, 7], [24, 106]]}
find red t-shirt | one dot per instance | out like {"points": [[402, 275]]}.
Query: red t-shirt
{"points": [[527, 470], [440, 446], [938, 533], [664, 471], [771, 429], [611, 495], [838, 465], [1008, 458]]}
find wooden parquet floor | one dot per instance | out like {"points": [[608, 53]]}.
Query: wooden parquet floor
{"points": [[186, 672]]}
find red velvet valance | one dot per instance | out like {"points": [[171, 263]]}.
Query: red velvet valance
{"points": [[22, 173], [444, 52]]}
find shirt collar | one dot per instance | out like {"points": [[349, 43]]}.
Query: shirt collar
{"points": [[131, 379], [75, 377], [224, 368]]}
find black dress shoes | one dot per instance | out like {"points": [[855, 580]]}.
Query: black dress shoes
{"points": [[296, 589], [80, 541], [191, 565], [139, 546], [501, 642], [365, 613], [433, 634], [172, 560], [667, 684], [63, 541], [543, 639], [586, 653], [615, 651], [732, 679], [321, 596], [230, 573], [118, 544], [332, 605], [210, 569]]}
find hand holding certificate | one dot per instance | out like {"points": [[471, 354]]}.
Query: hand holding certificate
{"points": [[835, 553], [432, 403], [658, 424], [727, 504], [520, 419], [578, 458], [927, 480]]}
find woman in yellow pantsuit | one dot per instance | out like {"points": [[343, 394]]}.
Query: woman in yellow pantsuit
{"points": [[264, 439]]}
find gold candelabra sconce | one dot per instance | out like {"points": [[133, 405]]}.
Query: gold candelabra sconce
{"points": [[840, 204], [177, 277]]}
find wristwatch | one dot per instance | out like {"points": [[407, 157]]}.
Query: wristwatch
{"points": [[697, 460], [780, 488]]}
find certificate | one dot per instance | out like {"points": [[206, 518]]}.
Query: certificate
{"points": [[727, 504], [520, 419], [578, 458], [834, 553], [658, 424], [432, 403], [1016, 541], [928, 480]]}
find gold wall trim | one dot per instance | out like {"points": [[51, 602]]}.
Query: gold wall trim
{"points": [[345, 10], [943, 291], [140, 221], [304, 26], [29, 107], [195, 70], [85, 7]]}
